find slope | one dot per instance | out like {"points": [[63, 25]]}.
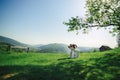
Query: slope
{"points": [[11, 41]]}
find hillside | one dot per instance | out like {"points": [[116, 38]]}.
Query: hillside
{"points": [[11, 41], [53, 48], [89, 66]]}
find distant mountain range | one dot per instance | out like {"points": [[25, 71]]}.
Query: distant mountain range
{"points": [[49, 48], [62, 48], [87, 49]]}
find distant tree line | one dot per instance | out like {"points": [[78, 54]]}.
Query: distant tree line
{"points": [[7, 47]]}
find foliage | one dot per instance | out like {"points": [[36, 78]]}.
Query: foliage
{"points": [[89, 66], [76, 23], [100, 13]]}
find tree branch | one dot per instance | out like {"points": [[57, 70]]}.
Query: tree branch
{"points": [[98, 25]]}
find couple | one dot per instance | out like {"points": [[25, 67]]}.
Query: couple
{"points": [[73, 53]]}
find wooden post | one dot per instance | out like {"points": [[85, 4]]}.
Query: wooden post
{"points": [[27, 49], [9, 47]]}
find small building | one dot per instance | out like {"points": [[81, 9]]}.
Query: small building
{"points": [[104, 48]]}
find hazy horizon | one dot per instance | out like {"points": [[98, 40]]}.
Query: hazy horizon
{"points": [[41, 22]]}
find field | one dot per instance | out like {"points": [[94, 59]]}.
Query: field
{"points": [[47, 66]]}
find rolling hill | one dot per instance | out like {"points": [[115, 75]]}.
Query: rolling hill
{"points": [[11, 41], [53, 48]]}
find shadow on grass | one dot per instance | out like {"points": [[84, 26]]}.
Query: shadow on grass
{"points": [[104, 68], [64, 58]]}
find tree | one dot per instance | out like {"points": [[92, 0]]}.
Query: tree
{"points": [[100, 14]]}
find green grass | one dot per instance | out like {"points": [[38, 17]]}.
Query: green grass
{"points": [[47, 66], [29, 58]]}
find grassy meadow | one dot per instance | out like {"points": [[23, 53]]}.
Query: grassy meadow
{"points": [[47, 66]]}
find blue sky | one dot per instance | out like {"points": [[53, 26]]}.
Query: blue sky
{"points": [[41, 22]]}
